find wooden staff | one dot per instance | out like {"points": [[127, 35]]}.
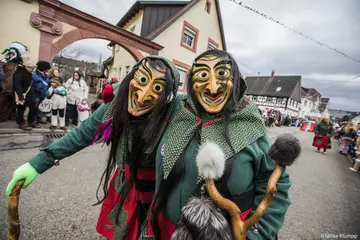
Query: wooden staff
{"points": [[285, 150], [13, 211]]}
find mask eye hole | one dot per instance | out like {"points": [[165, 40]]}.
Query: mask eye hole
{"points": [[142, 80], [202, 76], [222, 73], [158, 88]]}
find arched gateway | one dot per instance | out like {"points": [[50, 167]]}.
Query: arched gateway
{"points": [[61, 25]]}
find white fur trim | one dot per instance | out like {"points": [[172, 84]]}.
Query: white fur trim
{"points": [[210, 161]]}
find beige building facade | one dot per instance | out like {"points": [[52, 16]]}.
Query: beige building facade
{"points": [[184, 29], [48, 26], [16, 13]]}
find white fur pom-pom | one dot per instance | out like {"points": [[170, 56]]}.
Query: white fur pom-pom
{"points": [[210, 161]]}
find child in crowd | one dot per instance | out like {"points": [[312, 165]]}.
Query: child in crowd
{"points": [[83, 110], [95, 105], [347, 138], [57, 94]]}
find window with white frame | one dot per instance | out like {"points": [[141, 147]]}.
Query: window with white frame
{"points": [[182, 77], [189, 37], [127, 69], [211, 46]]}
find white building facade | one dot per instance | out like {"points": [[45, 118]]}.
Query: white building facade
{"points": [[310, 102], [185, 30]]}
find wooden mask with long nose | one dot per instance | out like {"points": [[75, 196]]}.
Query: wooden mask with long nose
{"points": [[213, 83]]}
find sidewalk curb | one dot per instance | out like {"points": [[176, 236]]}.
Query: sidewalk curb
{"points": [[7, 132]]}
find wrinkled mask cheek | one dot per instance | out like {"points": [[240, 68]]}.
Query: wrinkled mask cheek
{"points": [[212, 107]]}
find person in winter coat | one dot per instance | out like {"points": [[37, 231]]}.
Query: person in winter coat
{"points": [[356, 167], [132, 124], [107, 94], [41, 85], [83, 110], [347, 136], [57, 94], [77, 90], [9, 63], [24, 95]]}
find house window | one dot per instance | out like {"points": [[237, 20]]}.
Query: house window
{"points": [[182, 77], [133, 28], [212, 44], [189, 37], [115, 71], [208, 6], [127, 69], [119, 73], [183, 69]]}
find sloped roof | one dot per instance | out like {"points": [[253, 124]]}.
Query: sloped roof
{"points": [[138, 5], [268, 86], [167, 23], [186, 6], [325, 100], [310, 93]]}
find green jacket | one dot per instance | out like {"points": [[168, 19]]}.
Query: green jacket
{"points": [[323, 129], [252, 169], [76, 140]]}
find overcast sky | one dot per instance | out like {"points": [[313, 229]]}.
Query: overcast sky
{"points": [[264, 46]]}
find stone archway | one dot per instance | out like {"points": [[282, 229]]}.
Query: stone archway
{"points": [[76, 35], [61, 25]]}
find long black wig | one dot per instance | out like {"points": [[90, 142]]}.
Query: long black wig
{"points": [[239, 87], [146, 132]]}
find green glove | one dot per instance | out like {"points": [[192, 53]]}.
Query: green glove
{"points": [[25, 171]]}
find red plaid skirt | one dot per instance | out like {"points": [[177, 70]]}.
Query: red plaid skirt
{"points": [[321, 141]]}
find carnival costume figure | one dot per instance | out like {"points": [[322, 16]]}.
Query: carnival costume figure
{"points": [[215, 111], [322, 138], [13, 56], [132, 123]]}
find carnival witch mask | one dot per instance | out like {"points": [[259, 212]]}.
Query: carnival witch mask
{"points": [[213, 82], [145, 89]]}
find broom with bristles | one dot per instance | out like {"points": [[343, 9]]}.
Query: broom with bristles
{"points": [[13, 211], [211, 164]]}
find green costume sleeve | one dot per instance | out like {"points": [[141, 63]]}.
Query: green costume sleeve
{"points": [[77, 139], [273, 219]]}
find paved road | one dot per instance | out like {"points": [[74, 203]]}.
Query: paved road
{"points": [[325, 195]]}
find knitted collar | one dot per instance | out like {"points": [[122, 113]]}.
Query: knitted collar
{"points": [[126, 138], [245, 126]]}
